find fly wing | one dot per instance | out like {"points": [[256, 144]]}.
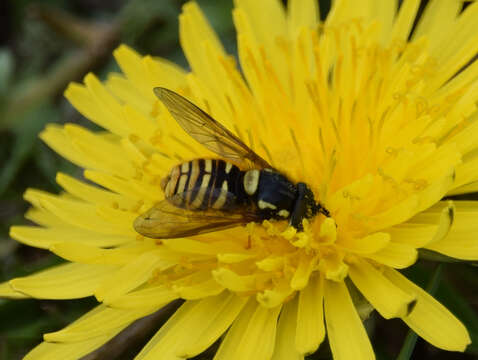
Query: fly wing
{"points": [[204, 129], [168, 220]]}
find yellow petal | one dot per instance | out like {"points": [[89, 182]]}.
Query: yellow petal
{"points": [[396, 255], [68, 281], [347, 336], [267, 33], [129, 277], [302, 13], [459, 51], [44, 218], [417, 202], [69, 351], [458, 244], [413, 234], [128, 187], [304, 269], [405, 19], [460, 241], [205, 54], [149, 297], [91, 193], [168, 339], [465, 140], [366, 245], [252, 335], [203, 31], [271, 298], [198, 285], [384, 11], [199, 291], [82, 98], [465, 25], [212, 315], [466, 174], [45, 238], [126, 91], [122, 219], [131, 63], [430, 319], [454, 87], [286, 333], [437, 20], [6, 291], [99, 322], [425, 228], [255, 10], [76, 213], [55, 137], [237, 258], [464, 189], [107, 155], [165, 73], [396, 214], [107, 106], [333, 266], [135, 149], [87, 254], [448, 156], [310, 329], [186, 245], [389, 300], [328, 230], [230, 280]]}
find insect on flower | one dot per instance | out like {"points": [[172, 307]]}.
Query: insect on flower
{"points": [[205, 195]]}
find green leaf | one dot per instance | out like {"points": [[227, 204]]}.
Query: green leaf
{"points": [[26, 135], [137, 15], [7, 247], [6, 70]]}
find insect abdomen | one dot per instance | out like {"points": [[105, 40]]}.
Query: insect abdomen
{"points": [[202, 183]]}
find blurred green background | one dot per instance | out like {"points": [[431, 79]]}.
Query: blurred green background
{"points": [[46, 44]]}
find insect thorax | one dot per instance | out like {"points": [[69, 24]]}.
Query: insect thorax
{"points": [[273, 194]]}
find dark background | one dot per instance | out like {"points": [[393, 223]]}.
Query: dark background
{"points": [[45, 45]]}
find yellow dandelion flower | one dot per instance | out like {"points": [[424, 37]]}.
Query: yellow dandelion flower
{"points": [[380, 121]]}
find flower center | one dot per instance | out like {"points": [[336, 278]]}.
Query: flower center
{"points": [[366, 130]]}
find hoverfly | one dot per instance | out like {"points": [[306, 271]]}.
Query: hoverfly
{"points": [[206, 195]]}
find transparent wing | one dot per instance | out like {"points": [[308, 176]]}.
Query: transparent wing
{"points": [[206, 130], [167, 220]]}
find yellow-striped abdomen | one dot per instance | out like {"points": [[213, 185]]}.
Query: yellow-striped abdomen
{"points": [[202, 184]]}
